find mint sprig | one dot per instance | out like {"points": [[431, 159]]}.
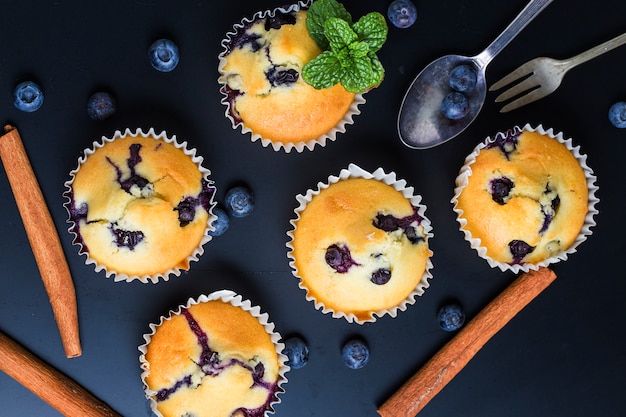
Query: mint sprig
{"points": [[349, 49]]}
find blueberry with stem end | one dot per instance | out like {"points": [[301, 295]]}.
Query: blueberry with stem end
{"points": [[451, 317], [617, 114], [455, 105], [163, 55], [221, 224], [355, 354], [462, 78], [297, 352], [239, 201], [28, 96], [402, 13], [101, 105]]}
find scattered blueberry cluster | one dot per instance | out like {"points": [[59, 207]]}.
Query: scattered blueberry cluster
{"points": [[28, 95], [455, 104], [355, 352], [238, 202]]}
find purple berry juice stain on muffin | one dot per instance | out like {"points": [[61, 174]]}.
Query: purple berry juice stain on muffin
{"points": [[339, 258], [278, 20], [133, 180], [278, 76], [188, 205], [550, 202], [77, 215], [500, 189], [126, 238], [507, 142], [211, 364], [390, 223]]}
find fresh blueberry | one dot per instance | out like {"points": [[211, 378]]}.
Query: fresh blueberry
{"points": [[462, 78], [355, 354], [101, 105], [222, 222], [28, 96], [297, 352], [402, 13], [455, 105], [163, 55], [451, 317], [239, 201], [617, 114]]}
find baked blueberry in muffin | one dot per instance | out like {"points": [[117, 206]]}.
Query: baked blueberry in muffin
{"points": [[139, 205], [359, 247], [211, 359], [526, 197], [261, 76]]}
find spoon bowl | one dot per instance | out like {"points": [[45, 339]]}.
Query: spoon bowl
{"points": [[421, 124]]}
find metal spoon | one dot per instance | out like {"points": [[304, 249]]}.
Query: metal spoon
{"points": [[421, 124]]}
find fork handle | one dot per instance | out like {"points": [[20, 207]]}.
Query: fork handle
{"points": [[597, 50], [532, 9]]}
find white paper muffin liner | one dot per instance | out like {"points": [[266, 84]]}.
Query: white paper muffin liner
{"points": [[475, 243], [117, 276], [287, 147], [354, 171], [230, 297]]}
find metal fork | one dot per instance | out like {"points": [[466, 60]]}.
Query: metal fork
{"points": [[544, 75]]}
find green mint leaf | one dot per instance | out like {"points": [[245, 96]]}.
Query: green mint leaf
{"points": [[372, 28], [366, 72], [323, 71], [358, 49], [358, 76], [339, 33], [319, 12], [378, 70], [349, 55]]}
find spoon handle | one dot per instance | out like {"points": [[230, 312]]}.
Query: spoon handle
{"points": [[532, 9]]}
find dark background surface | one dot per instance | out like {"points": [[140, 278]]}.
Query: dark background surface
{"points": [[564, 355]]}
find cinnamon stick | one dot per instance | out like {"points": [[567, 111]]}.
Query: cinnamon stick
{"points": [[413, 396], [43, 239], [52, 386]]}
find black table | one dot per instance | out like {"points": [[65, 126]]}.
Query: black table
{"points": [[565, 354]]}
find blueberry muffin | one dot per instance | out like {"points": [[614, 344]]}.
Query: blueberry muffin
{"points": [[214, 357], [260, 76], [140, 205], [360, 245], [524, 197]]}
